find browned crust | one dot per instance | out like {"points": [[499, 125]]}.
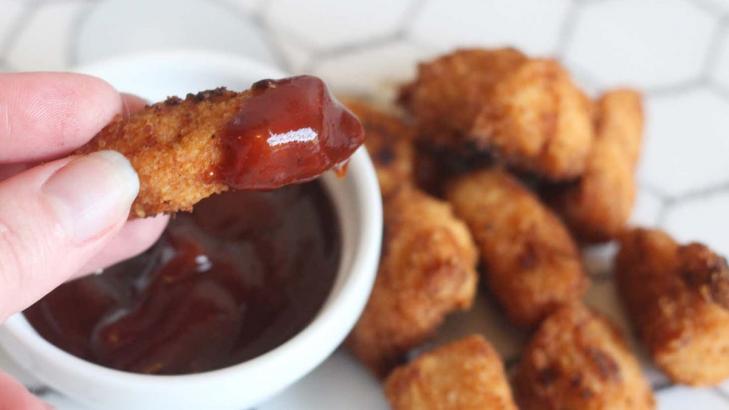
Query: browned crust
{"points": [[530, 261], [174, 147], [463, 375], [389, 141], [525, 110], [577, 359], [427, 271], [670, 295], [598, 206]]}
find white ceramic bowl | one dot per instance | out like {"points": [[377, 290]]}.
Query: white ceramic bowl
{"points": [[357, 200]]}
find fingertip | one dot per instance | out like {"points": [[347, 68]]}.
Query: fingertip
{"points": [[50, 114]]}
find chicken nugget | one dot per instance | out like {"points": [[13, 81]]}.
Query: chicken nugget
{"points": [[463, 375], [526, 110], [389, 142], [577, 359], [426, 271], [597, 207], [531, 263], [676, 298], [278, 132]]}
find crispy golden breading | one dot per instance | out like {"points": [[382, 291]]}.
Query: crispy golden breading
{"points": [[526, 110], [389, 142], [462, 375], [577, 359], [427, 270], [675, 296], [706, 272], [531, 263], [169, 145], [598, 206]]}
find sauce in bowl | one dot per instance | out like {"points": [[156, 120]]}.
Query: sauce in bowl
{"points": [[237, 277]]}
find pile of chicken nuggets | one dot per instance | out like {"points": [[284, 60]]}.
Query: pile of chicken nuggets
{"points": [[496, 168]]}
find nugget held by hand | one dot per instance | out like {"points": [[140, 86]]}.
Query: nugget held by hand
{"points": [[526, 110], [676, 297], [462, 375], [579, 360], [598, 206], [389, 142], [531, 263], [278, 132], [427, 270]]}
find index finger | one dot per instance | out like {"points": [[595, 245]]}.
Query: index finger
{"points": [[45, 115]]}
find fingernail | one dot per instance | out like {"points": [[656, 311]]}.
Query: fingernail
{"points": [[92, 193]]}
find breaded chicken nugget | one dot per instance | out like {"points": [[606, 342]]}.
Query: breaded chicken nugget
{"points": [[577, 359], [389, 142], [531, 263], [276, 133], [675, 297], [427, 270], [463, 375], [526, 110], [597, 207]]}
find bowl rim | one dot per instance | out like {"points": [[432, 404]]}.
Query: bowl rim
{"points": [[357, 277]]}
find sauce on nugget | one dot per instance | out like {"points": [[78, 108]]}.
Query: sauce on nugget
{"points": [[290, 130], [240, 275]]}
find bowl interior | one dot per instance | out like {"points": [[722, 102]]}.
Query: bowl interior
{"points": [[356, 198]]}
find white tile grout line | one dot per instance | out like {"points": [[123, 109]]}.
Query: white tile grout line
{"points": [[567, 29], [78, 23], [269, 32]]}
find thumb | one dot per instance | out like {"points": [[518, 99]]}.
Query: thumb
{"points": [[54, 218]]}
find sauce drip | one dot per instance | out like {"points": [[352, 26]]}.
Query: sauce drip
{"points": [[289, 130], [239, 276]]}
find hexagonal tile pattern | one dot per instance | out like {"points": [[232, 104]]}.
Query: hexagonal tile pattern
{"points": [[647, 209], [652, 43], [370, 47], [327, 24], [296, 58], [493, 23], [49, 27], [195, 24], [720, 73], [702, 219], [375, 71], [686, 152]]}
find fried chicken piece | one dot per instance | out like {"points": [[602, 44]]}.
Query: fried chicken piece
{"points": [[577, 359], [389, 142], [676, 298], [427, 270], [463, 375], [527, 110], [598, 206], [531, 263], [186, 150]]}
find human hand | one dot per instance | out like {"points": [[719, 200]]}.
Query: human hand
{"points": [[68, 216]]}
